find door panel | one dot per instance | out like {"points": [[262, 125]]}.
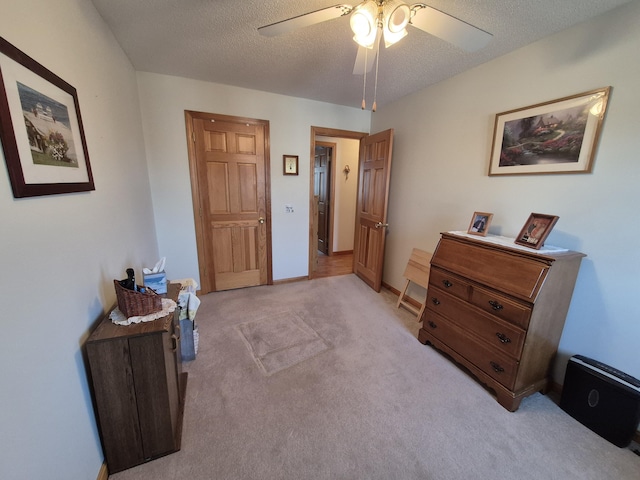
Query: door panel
{"points": [[322, 176], [231, 175], [371, 214]]}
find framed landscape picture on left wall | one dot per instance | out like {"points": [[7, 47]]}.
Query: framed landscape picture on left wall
{"points": [[40, 128]]}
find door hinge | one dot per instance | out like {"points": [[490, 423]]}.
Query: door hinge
{"points": [[193, 137]]}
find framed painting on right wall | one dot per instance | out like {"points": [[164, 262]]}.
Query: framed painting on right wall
{"points": [[559, 136]]}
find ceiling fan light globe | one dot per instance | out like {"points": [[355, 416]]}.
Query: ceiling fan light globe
{"points": [[396, 16], [391, 38], [363, 23]]}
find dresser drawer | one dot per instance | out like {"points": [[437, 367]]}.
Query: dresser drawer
{"points": [[495, 364], [516, 274], [501, 306], [449, 282], [501, 335]]}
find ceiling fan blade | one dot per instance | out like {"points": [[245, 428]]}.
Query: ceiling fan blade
{"points": [[451, 29], [364, 60], [305, 20], [366, 57]]}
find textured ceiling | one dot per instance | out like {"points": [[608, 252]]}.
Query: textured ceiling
{"points": [[218, 41]]}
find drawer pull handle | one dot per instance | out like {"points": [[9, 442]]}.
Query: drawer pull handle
{"points": [[432, 325], [496, 368], [174, 339], [503, 338], [447, 283], [435, 301], [495, 305]]}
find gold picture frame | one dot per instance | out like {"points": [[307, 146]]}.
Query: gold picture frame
{"points": [[559, 136], [479, 224], [536, 230]]}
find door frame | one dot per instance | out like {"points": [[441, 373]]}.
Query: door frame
{"points": [[322, 132], [190, 115]]}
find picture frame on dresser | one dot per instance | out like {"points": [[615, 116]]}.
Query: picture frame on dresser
{"points": [[479, 224], [536, 230], [40, 128]]}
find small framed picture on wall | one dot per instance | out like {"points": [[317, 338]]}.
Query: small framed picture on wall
{"points": [[290, 164]]}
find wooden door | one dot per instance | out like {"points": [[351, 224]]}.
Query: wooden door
{"points": [[231, 200], [371, 208], [321, 189]]}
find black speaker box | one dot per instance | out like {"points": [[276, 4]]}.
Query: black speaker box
{"points": [[602, 398]]}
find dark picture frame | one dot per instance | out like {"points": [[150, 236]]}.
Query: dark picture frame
{"points": [[290, 164], [559, 136], [536, 230], [40, 128], [479, 224]]}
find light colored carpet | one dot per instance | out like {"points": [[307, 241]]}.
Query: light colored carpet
{"points": [[280, 341], [375, 405]]}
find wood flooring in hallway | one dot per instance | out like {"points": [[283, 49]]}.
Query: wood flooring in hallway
{"points": [[334, 265]]}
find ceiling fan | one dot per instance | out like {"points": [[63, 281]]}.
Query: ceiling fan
{"points": [[372, 20]]}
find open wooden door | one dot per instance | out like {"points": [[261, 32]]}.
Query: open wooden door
{"points": [[323, 187], [371, 214], [228, 159]]}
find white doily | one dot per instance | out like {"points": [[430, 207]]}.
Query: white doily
{"points": [[510, 242], [118, 317]]}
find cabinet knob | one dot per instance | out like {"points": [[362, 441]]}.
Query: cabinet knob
{"points": [[495, 305], [432, 325], [435, 301], [496, 367], [503, 338], [447, 283]]}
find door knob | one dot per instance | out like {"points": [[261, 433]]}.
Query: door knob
{"points": [[261, 220], [381, 225]]}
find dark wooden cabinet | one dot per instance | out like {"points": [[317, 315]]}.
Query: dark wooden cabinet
{"points": [[138, 388], [499, 311]]}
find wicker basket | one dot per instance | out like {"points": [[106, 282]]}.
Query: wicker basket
{"points": [[135, 304]]}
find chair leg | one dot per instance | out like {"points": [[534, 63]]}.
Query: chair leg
{"points": [[402, 294]]}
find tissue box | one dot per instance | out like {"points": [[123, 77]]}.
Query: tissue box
{"points": [[155, 281]]}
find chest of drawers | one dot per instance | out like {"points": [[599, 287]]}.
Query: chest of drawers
{"points": [[499, 311]]}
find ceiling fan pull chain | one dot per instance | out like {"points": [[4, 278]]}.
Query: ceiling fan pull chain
{"points": [[375, 85], [364, 83]]}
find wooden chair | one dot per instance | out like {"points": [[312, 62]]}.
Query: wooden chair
{"points": [[417, 271]]}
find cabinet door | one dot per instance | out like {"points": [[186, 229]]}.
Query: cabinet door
{"points": [[152, 391], [115, 399]]}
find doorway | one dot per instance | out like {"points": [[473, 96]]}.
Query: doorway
{"points": [[338, 259]]}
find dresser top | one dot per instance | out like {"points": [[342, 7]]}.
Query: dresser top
{"points": [[509, 243]]}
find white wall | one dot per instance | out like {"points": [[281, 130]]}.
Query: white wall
{"points": [[60, 253], [346, 189], [442, 143], [164, 99]]}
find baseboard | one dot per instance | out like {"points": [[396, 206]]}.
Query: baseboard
{"points": [[396, 292], [103, 474], [343, 252]]}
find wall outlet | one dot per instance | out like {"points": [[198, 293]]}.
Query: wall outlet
{"points": [[288, 209]]}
